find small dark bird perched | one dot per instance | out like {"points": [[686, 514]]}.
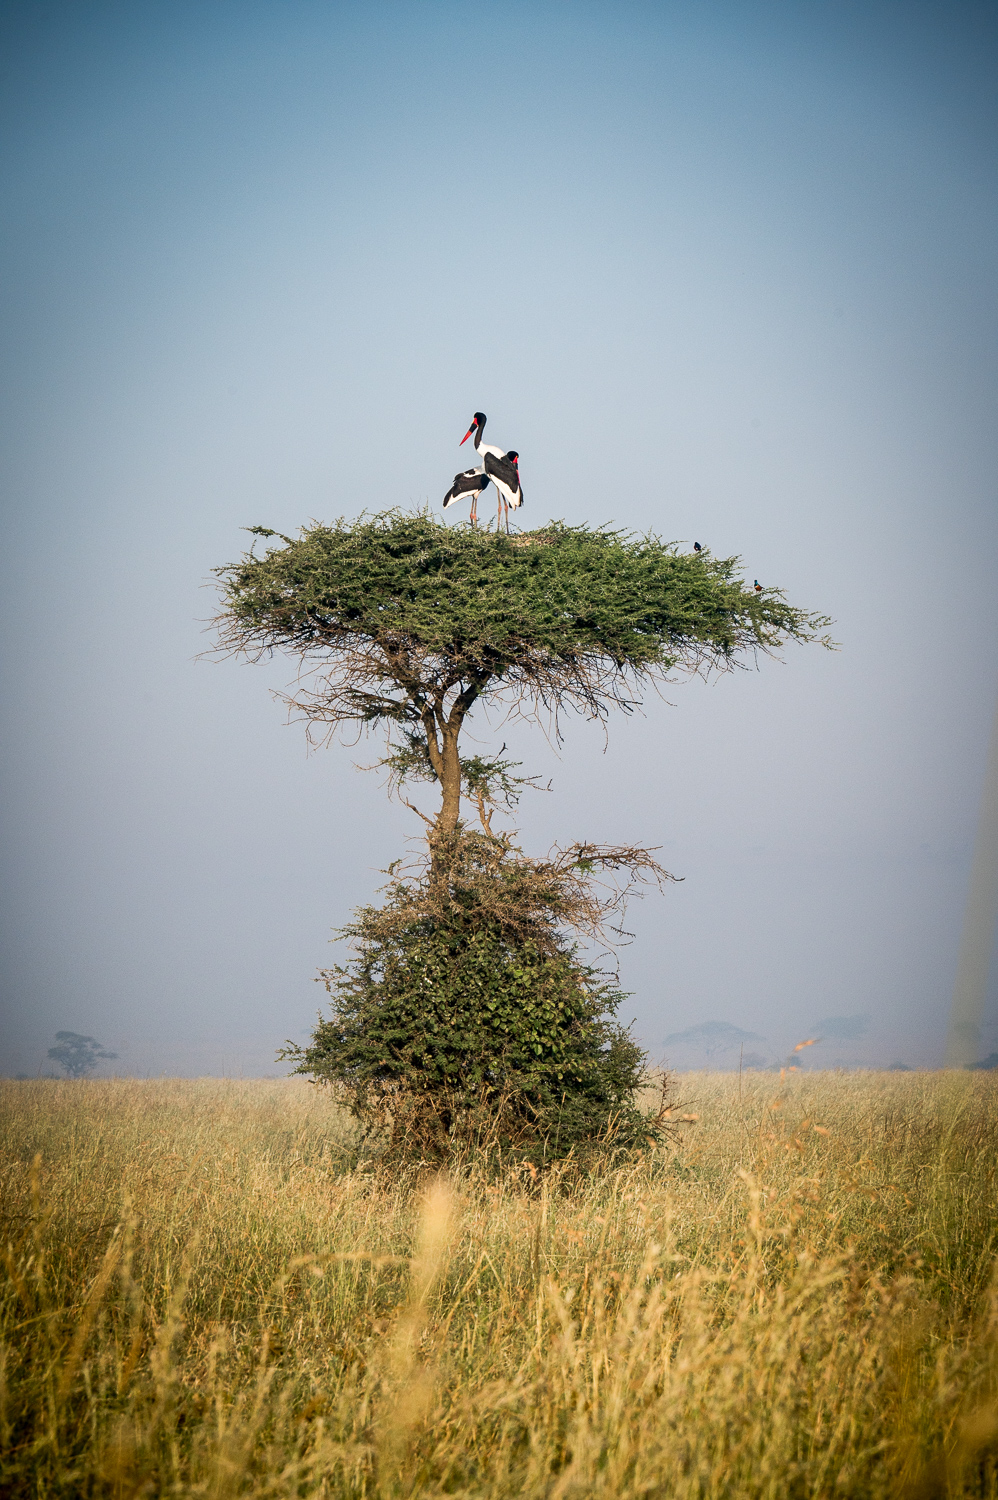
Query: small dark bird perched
{"points": [[697, 547], [758, 586]]}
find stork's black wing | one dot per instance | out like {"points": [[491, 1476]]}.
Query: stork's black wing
{"points": [[468, 482], [504, 469]]}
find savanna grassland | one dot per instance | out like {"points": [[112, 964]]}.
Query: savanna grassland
{"points": [[207, 1292]]}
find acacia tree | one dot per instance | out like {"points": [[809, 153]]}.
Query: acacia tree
{"points": [[400, 622], [78, 1055]]}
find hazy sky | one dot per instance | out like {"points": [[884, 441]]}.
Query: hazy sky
{"points": [[724, 271]]}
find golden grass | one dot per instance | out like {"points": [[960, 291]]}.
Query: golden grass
{"points": [[203, 1294]]}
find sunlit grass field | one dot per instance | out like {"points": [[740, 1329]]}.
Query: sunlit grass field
{"points": [[205, 1294]]}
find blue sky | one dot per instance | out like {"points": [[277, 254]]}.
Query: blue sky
{"points": [[721, 271]]}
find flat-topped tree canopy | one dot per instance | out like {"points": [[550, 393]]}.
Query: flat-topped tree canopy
{"points": [[405, 619]]}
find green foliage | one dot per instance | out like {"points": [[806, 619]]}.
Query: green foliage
{"points": [[486, 780], [78, 1055], [590, 607], [467, 1021]]}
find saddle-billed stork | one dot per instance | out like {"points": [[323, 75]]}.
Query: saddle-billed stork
{"points": [[505, 475], [471, 482], [500, 467]]}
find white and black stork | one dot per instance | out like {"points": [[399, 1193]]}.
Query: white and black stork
{"points": [[471, 482], [505, 475], [498, 466]]}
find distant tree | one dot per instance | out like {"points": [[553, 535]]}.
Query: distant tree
{"points": [[78, 1055], [468, 1000], [713, 1037]]}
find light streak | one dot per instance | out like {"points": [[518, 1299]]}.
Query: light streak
{"points": [[963, 1044]]}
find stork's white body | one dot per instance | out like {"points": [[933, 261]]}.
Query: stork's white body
{"points": [[485, 448]]}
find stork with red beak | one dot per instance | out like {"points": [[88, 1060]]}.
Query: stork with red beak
{"points": [[505, 475], [500, 467], [477, 427]]}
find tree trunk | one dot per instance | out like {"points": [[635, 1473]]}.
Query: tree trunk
{"points": [[442, 733], [450, 785]]}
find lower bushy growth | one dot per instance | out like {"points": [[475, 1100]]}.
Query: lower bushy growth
{"points": [[468, 1020]]}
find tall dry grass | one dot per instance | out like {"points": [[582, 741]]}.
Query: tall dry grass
{"points": [[205, 1294]]}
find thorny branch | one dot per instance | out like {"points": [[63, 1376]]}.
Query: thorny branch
{"points": [[530, 898]]}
